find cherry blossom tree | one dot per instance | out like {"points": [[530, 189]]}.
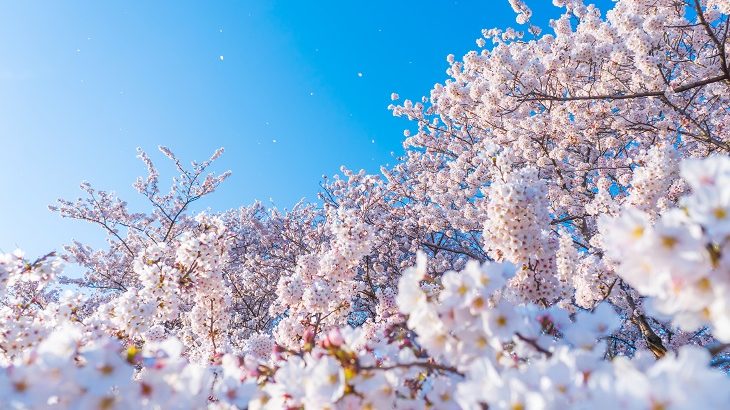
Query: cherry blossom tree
{"points": [[556, 235]]}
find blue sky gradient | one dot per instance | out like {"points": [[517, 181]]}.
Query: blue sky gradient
{"points": [[85, 83]]}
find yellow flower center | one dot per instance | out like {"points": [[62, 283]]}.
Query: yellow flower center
{"points": [[107, 369], [637, 232], [478, 303], [720, 213], [704, 285], [658, 406], [20, 386], [669, 242], [107, 403]]}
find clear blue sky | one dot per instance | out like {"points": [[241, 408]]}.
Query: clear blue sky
{"points": [[82, 84]]}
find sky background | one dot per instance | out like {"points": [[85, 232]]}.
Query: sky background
{"points": [[84, 83]]}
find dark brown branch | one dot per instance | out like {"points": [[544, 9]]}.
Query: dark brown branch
{"points": [[425, 365], [711, 80], [720, 46], [533, 343]]}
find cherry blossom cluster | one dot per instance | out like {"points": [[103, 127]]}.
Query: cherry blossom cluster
{"points": [[517, 229], [30, 304], [600, 110], [185, 286], [517, 218], [131, 232], [68, 370], [511, 356], [322, 289], [681, 258]]}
